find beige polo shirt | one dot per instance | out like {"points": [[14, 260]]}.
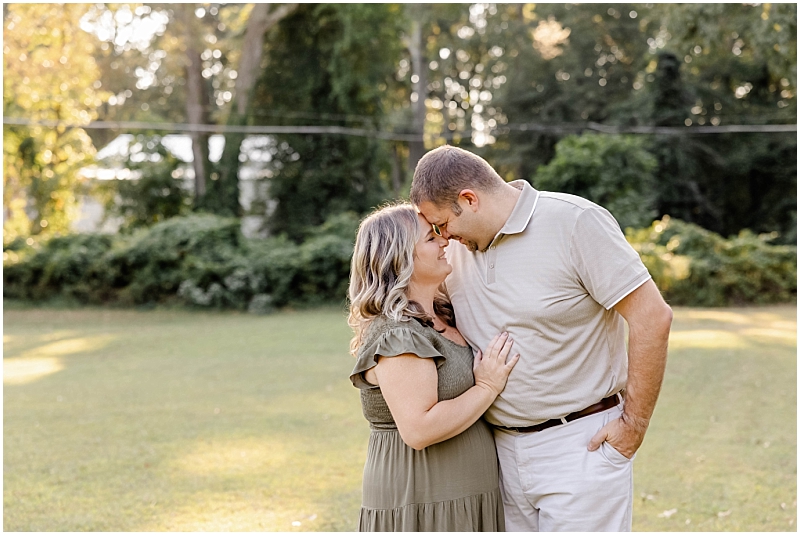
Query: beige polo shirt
{"points": [[550, 278]]}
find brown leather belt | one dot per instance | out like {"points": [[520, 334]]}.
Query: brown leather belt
{"points": [[600, 406]]}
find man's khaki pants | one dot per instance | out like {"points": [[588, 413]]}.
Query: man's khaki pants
{"points": [[551, 482]]}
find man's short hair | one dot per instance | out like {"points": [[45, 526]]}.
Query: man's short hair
{"points": [[445, 171]]}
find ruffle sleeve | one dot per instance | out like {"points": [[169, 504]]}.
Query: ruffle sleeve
{"points": [[391, 343]]}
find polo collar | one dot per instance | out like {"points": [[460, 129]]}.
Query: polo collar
{"points": [[523, 210]]}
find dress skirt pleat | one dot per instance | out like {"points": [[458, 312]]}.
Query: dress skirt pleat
{"points": [[450, 486]]}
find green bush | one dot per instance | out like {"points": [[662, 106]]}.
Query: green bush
{"points": [[204, 261], [616, 172], [693, 266], [151, 265], [198, 260], [66, 266]]}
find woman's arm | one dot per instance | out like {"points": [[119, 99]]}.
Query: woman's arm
{"points": [[409, 385]]}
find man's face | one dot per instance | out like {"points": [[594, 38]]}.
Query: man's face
{"points": [[461, 228]]}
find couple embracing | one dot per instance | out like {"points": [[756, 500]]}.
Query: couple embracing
{"points": [[509, 347]]}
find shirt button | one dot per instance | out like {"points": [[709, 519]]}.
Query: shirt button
{"points": [[491, 265], [492, 247]]}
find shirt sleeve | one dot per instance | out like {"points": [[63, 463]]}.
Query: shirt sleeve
{"points": [[392, 343], [606, 264]]}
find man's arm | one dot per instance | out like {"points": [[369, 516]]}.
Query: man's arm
{"points": [[649, 319]]}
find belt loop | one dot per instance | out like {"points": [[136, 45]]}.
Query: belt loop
{"points": [[564, 420], [619, 397]]}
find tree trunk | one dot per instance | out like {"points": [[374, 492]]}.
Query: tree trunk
{"points": [[419, 68], [397, 171], [196, 98], [197, 113], [260, 22]]}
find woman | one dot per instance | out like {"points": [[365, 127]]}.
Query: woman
{"points": [[431, 462]]}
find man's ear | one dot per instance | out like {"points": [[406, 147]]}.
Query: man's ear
{"points": [[470, 198]]}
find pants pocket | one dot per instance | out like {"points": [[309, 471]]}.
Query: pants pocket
{"points": [[608, 451], [612, 455]]}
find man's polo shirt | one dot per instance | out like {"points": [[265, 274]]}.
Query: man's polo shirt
{"points": [[550, 278]]}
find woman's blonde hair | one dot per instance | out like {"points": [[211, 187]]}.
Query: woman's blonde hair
{"points": [[381, 269]]}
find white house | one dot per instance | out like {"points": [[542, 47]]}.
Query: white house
{"points": [[255, 157]]}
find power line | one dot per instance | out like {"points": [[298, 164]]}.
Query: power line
{"points": [[659, 130], [562, 128], [218, 129]]}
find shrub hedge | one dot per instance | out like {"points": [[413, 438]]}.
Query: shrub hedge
{"points": [[198, 260], [693, 266], [204, 261]]}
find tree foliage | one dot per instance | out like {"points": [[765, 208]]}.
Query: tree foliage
{"points": [[328, 61], [661, 65], [509, 81], [155, 194], [616, 172], [49, 73]]}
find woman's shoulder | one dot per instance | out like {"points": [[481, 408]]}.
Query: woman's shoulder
{"points": [[383, 324], [384, 334], [386, 337]]}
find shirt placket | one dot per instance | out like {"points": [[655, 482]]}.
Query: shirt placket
{"points": [[491, 263]]}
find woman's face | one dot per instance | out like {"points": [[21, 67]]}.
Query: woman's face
{"points": [[430, 265]]}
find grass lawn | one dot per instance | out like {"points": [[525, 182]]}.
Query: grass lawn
{"points": [[123, 420]]}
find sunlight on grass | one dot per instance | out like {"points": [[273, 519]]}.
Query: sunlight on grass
{"points": [[219, 512], [71, 346], [746, 317], [717, 315], [280, 484], [59, 335], [236, 456], [17, 371], [706, 339], [783, 335], [43, 360], [785, 326]]}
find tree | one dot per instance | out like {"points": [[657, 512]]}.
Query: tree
{"points": [[49, 74], [616, 172], [329, 64], [717, 65], [225, 194], [198, 67], [670, 65], [565, 64], [197, 98], [153, 196], [137, 66], [416, 43]]}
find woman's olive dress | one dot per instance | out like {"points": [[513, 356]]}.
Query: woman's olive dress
{"points": [[449, 486]]}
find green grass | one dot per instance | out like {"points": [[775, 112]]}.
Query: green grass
{"points": [[122, 420], [722, 445]]}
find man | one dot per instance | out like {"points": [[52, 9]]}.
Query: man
{"points": [[555, 271]]}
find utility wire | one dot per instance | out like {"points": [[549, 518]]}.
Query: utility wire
{"points": [[563, 128]]}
